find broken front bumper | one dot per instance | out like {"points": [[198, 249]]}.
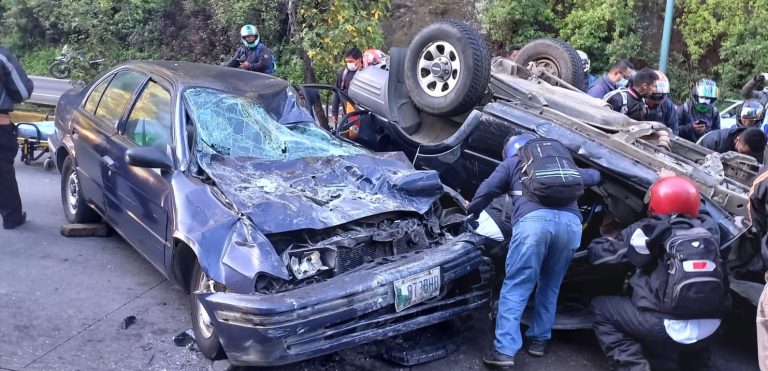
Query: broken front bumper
{"points": [[352, 309]]}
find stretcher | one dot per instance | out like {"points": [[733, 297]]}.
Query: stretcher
{"points": [[33, 139]]}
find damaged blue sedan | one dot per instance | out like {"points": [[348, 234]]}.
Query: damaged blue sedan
{"points": [[291, 242]]}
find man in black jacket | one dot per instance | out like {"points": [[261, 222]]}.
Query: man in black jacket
{"points": [[542, 243], [631, 101], [635, 330], [749, 141], [253, 55], [15, 87], [617, 77]]}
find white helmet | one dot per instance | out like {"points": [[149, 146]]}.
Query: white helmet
{"points": [[249, 30], [584, 60]]}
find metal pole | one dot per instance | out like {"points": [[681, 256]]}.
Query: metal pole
{"points": [[667, 35]]}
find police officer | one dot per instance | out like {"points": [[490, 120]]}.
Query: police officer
{"points": [[15, 87], [699, 115], [253, 55]]}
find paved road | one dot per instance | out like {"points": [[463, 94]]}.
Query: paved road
{"points": [[48, 90], [62, 302]]}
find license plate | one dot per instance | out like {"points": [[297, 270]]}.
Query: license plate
{"points": [[412, 290]]}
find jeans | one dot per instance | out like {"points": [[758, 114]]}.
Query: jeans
{"points": [[543, 242]]}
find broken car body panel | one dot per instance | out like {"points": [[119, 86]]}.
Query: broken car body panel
{"points": [[284, 219]]}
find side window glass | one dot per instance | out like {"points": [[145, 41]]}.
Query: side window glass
{"points": [[149, 123], [95, 97], [118, 94]]}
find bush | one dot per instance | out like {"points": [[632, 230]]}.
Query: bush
{"points": [[36, 61]]}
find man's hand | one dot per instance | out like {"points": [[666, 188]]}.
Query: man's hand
{"points": [[699, 127], [245, 65]]}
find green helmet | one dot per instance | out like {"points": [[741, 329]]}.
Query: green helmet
{"points": [[249, 30], [704, 94]]}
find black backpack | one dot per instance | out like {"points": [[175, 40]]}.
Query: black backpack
{"points": [[690, 281], [550, 176]]}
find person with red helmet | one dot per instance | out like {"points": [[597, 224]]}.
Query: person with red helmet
{"points": [[679, 287]]}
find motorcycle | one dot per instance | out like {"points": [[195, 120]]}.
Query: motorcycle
{"points": [[61, 68]]}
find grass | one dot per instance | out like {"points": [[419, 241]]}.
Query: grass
{"points": [[36, 61]]}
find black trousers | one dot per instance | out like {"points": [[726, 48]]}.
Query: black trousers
{"points": [[10, 201], [636, 339]]}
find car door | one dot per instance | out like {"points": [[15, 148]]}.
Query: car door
{"points": [[137, 198], [94, 124]]}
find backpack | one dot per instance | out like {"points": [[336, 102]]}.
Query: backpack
{"points": [[690, 279], [549, 175], [624, 99]]}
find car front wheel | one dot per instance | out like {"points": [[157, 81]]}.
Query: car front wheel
{"points": [[75, 208], [205, 334]]}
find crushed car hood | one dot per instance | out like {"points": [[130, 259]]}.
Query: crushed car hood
{"points": [[322, 192]]}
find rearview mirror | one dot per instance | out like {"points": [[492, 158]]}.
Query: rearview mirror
{"points": [[149, 157]]}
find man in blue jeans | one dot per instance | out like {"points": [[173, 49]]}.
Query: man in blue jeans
{"points": [[542, 244]]}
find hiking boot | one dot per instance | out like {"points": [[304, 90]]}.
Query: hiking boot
{"points": [[537, 348], [494, 358], [15, 223]]}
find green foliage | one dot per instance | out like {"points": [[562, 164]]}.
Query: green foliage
{"points": [[330, 27], [605, 30], [517, 22], [36, 61]]}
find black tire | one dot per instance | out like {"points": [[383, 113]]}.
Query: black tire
{"points": [[75, 208], [465, 83], [561, 58], [59, 70], [206, 337]]}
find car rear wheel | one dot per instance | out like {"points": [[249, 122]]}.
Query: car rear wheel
{"points": [[75, 208], [447, 68], [206, 337], [557, 57]]}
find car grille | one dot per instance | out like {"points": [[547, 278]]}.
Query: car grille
{"points": [[350, 258]]}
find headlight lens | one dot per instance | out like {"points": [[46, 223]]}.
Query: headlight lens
{"points": [[305, 264]]}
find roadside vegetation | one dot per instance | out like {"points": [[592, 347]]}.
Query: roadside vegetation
{"points": [[722, 39]]}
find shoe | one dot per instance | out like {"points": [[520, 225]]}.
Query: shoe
{"points": [[17, 223], [537, 348], [494, 358]]}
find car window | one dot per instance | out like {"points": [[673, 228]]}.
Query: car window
{"points": [[95, 97], [118, 94], [265, 129], [149, 123]]}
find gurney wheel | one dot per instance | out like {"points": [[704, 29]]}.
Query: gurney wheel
{"points": [[48, 164]]}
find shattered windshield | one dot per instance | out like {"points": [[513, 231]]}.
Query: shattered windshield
{"points": [[272, 128]]}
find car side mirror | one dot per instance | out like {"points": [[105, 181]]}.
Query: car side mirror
{"points": [[148, 157]]}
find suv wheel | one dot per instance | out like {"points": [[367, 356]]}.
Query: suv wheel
{"points": [[447, 68]]}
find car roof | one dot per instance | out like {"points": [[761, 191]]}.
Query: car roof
{"points": [[187, 74]]}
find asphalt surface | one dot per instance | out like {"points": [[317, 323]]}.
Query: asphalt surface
{"points": [[48, 90], [63, 301]]}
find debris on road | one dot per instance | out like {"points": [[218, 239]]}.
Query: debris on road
{"points": [[185, 339], [127, 322], [85, 230]]}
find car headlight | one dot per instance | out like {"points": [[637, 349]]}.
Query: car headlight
{"points": [[306, 264]]}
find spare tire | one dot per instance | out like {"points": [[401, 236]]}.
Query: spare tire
{"points": [[557, 57], [447, 68]]}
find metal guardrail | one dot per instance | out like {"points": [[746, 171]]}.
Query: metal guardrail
{"points": [[48, 90]]}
